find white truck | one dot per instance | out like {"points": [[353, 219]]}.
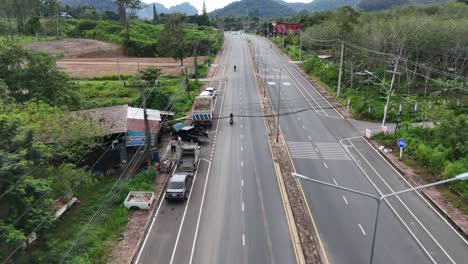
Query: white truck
{"points": [[187, 157], [202, 111], [141, 200]]}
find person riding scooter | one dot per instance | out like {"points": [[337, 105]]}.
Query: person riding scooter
{"points": [[235, 67], [231, 119]]}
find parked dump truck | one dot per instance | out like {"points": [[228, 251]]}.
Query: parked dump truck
{"points": [[141, 200], [202, 111], [187, 157]]}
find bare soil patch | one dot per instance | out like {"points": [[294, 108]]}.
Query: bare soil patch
{"points": [[92, 67], [87, 58], [77, 48]]}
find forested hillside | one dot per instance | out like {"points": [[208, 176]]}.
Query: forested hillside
{"points": [[100, 5], [256, 8]]}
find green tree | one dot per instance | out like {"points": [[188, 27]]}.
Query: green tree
{"points": [[174, 44], [33, 25], [34, 75], [150, 75], [155, 15], [346, 18], [109, 15], [124, 6], [371, 5], [204, 20], [91, 13]]}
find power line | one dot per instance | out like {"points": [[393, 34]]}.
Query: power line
{"points": [[60, 178], [115, 186]]}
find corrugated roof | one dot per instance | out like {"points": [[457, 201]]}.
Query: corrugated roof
{"points": [[113, 118], [137, 113]]}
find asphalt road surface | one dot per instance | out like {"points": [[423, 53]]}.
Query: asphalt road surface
{"points": [[326, 147], [235, 212]]}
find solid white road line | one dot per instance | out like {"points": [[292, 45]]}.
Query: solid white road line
{"points": [[208, 172], [389, 205], [409, 185], [346, 201], [404, 205], [151, 226], [362, 229], [183, 216], [201, 210]]}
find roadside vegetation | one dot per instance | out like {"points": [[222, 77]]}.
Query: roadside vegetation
{"points": [[426, 44], [48, 156]]}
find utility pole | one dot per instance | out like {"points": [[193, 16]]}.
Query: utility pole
{"points": [[283, 36], [391, 88], [300, 47], [265, 72], [146, 123], [268, 28], [279, 102], [195, 61], [341, 70]]}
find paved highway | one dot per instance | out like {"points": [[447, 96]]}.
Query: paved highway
{"points": [[326, 147], [235, 212]]}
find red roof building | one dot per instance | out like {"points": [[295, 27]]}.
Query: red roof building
{"points": [[280, 28]]}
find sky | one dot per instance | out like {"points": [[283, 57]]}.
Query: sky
{"points": [[210, 4]]}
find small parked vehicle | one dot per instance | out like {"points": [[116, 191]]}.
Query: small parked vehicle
{"points": [[211, 91], [192, 134], [179, 187]]}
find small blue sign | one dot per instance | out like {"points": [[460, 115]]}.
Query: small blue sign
{"points": [[401, 143]]}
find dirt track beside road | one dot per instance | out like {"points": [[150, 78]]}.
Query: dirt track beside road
{"points": [[92, 67], [86, 58]]}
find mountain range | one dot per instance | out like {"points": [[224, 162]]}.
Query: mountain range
{"points": [[145, 13], [280, 8]]}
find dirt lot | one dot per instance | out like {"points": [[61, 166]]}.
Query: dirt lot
{"points": [[91, 58], [91, 67], [77, 48]]}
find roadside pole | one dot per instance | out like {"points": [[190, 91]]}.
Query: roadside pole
{"points": [[340, 74], [300, 47], [391, 88], [146, 123], [279, 103]]}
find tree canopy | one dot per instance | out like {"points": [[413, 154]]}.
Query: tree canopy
{"points": [[32, 75]]}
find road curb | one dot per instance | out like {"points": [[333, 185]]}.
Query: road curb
{"points": [[436, 206], [161, 192], [305, 245], [150, 215]]}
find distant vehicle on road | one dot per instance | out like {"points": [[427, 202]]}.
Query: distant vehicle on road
{"points": [[192, 134], [179, 187], [141, 200], [211, 90], [205, 93]]}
